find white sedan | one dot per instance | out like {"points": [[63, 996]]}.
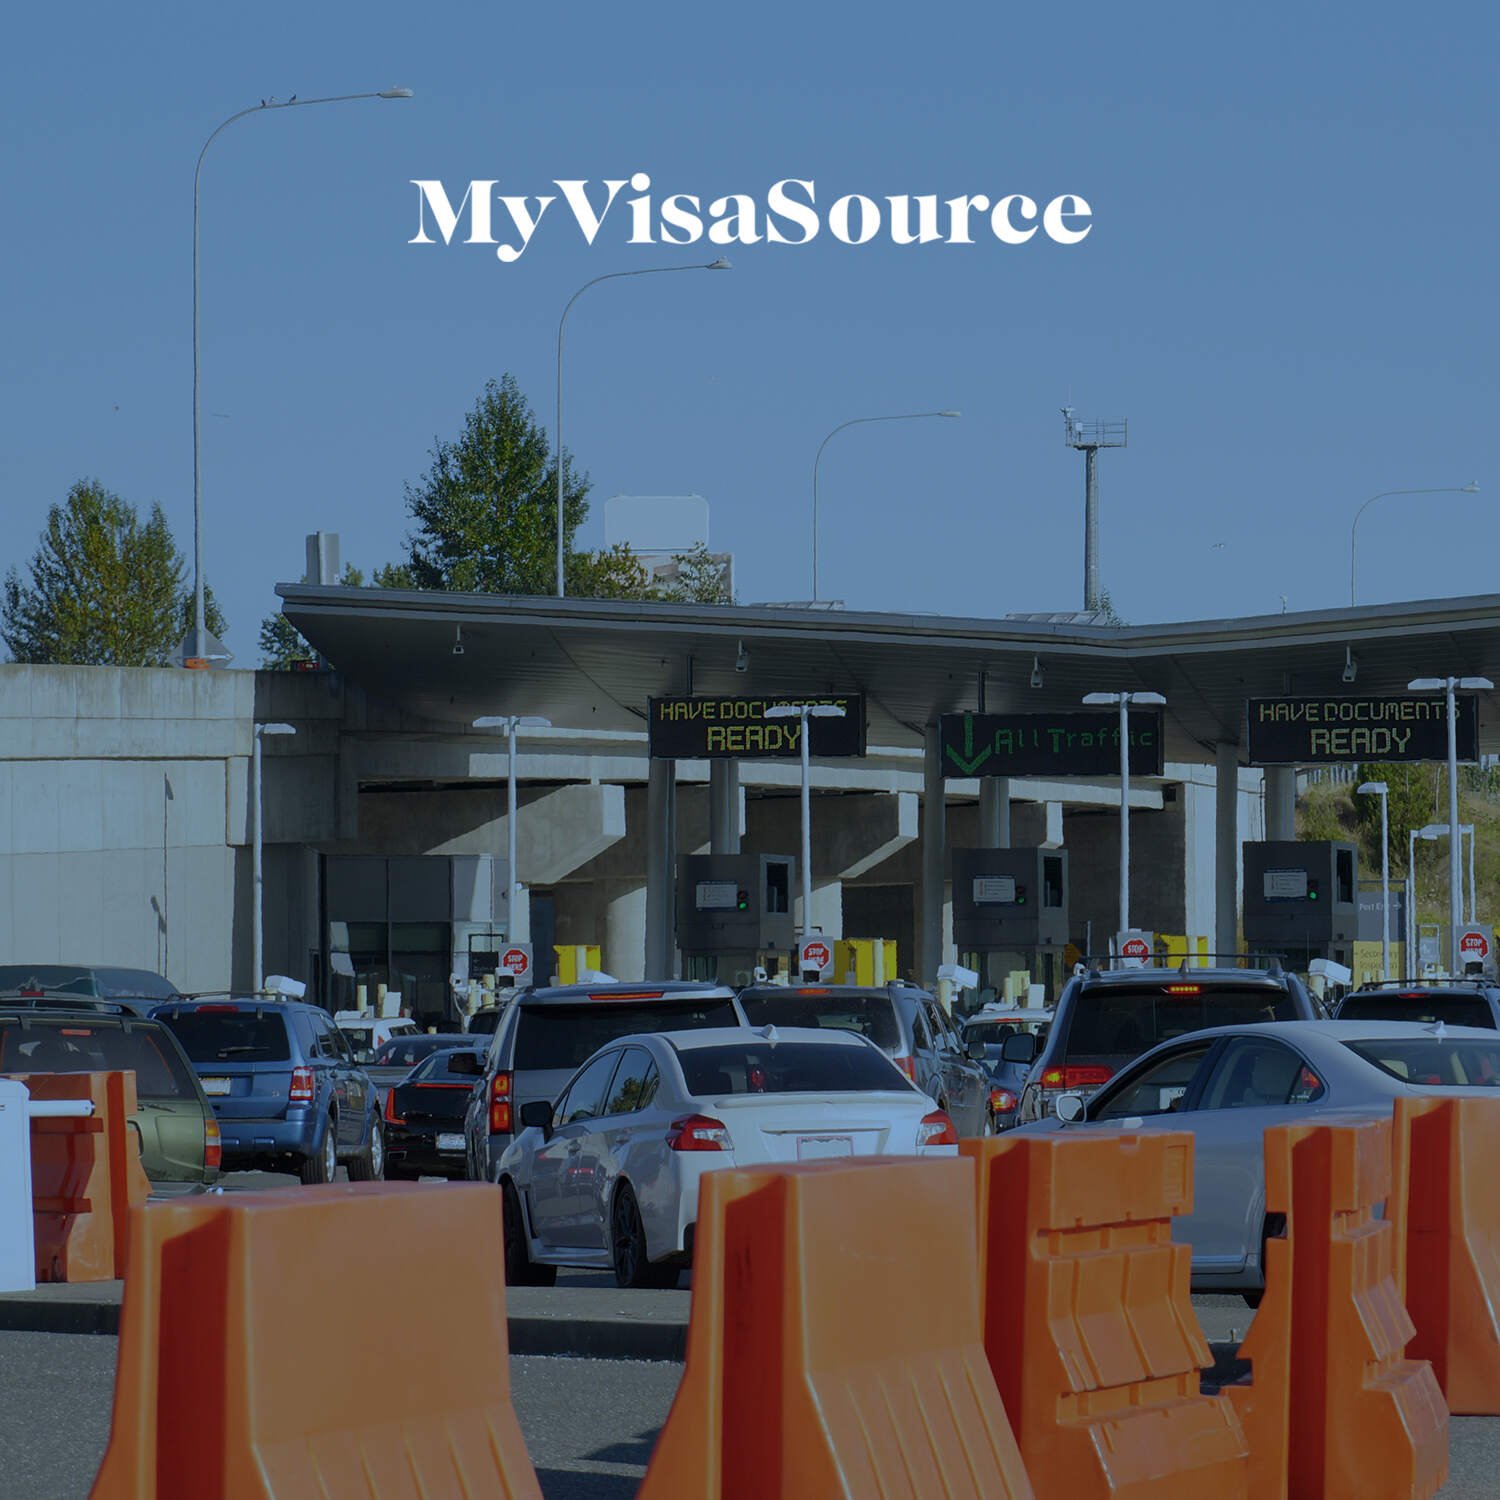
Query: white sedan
{"points": [[607, 1177]]}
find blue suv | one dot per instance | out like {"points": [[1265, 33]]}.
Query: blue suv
{"points": [[284, 1085]]}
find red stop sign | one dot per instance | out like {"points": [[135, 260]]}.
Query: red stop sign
{"points": [[515, 961], [815, 955], [1474, 945], [1135, 948]]}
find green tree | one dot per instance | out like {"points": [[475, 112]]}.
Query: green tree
{"points": [[616, 573], [104, 588], [1409, 793], [702, 578], [485, 512]]}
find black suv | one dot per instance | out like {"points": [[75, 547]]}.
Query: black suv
{"points": [[1104, 1020], [1454, 1002]]}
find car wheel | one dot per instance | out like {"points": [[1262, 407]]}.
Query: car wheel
{"points": [[323, 1163], [520, 1269], [633, 1268], [369, 1165]]}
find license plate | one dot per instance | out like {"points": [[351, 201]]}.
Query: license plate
{"points": [[811, 1147], [212, 1086], [450, 1141]]}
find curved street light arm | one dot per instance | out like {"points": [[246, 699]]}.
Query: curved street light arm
{"points": [[1446, 489]]}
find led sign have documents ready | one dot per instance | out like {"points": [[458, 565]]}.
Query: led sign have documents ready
{"points": [[1305, 731], [737, 729], [1068, 744]]}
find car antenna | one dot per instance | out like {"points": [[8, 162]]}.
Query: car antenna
{"points": [[1274, 967], [1183, 970], [770, 1033]]}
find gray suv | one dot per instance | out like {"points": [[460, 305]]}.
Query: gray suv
{"points": [[1454, 1002], [545, 1035]]}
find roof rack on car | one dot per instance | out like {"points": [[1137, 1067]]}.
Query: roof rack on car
{"points": [[1469, 981], [61, 1000]]}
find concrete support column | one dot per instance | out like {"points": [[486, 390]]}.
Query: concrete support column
{"points": [[724, 807], [1226, 848], [661, 870], [1281, 803], [624, 936], [934, 859], [994, 812]]}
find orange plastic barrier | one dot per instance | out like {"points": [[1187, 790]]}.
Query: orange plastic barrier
{"points": [[257, 1359], [1446, 1215], [833, 1345], [1088, 1324], [85, 1176], [1364, 1420]]}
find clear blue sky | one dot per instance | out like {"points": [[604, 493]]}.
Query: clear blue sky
{"points": [[1289, 290]]}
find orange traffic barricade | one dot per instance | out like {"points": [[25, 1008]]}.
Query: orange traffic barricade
{"points": [[1446, 1213], [1364, 1420], [1088, 1324], [833, 1345], [86, 1175], [255, 1363]]}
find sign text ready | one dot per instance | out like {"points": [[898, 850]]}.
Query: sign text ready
{"points": [[737, 728], [1086, 744], [1306, 731]]}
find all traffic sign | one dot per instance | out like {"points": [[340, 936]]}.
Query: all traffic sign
{"points": [[1136, 948], [815, 955], [1474, 944], [516, 961]]}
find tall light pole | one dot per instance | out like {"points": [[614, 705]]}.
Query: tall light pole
{"points": [[1124, 702], [905, 416], [1450, 686], [198, 655], [803, 712], [257, 881], [1428, 834], [1472, 488], [510, 725], [714, 265], [1381, 790]]}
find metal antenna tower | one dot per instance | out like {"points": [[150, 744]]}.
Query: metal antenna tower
{"points": [[1091, 437]]}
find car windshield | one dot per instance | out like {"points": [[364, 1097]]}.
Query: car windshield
{"points": [[872, 1016], [788, 1068], [1453, 1008], [1111, 1020], [563, 1036], [82, 1047], [212, 1036], [1434, 1060]]}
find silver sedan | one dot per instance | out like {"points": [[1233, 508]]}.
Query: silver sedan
{"points": [[1228, 1085]]}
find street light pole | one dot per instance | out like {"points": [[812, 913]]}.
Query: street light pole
{"points": [[199, 652], [257, 882], [906, 416], [803, 712], [1450, 686], [1124, 701], [1381, 790], [509, 725], [1471, 488], [714, 265]]}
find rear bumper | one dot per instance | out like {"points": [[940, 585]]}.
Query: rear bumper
{"points": [[248, 1139], [417, 1150]]}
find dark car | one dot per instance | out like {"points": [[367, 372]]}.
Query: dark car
{"points": [[546, 1034], [137, 990], [285, 1087], [1454, 1003], [174, 1124], [394, 1059], [1104, 1020], [905, 1022], [424, 1112]]}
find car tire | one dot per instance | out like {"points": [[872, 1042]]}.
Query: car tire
{"points": [[369, 1164], [627, 1240], [520, 1269], [323, 1163]]}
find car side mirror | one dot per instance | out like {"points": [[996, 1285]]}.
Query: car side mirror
{"points": [[1019, 1047], [975, 1048], [465, 1064], [1069, 1108], [537, 1113]]}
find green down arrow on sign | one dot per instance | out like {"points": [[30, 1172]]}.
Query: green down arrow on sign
{"points": [[968, 762]]}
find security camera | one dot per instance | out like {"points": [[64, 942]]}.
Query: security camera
{"points": [[1036, 672], [1351, 667], [760, 973], [742, 661], [458, 640]]}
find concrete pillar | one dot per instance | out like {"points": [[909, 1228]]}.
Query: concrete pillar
{"points": [[1281, 803], [724, 807], [623, 940], [994, 812], [661, 870], [827, 908], [1226, 848], [934, 860]]}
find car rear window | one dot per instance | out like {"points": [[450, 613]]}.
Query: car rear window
{"points": [[872, 1016], [1116, 1021], [564, 1036], [1434, 1060], [231, 1035], [788, 1068], [437, 1067], [484, 1022], [79, 1047], [1452, 1009]]}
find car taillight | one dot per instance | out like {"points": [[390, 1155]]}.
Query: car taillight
{"points": [[908, 1065], [304, 1086], [392, 1114], [1076, 1076], [698, 1133], [1002, 1102], [213, 1145], [936, 1129], [500, 1103]]}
